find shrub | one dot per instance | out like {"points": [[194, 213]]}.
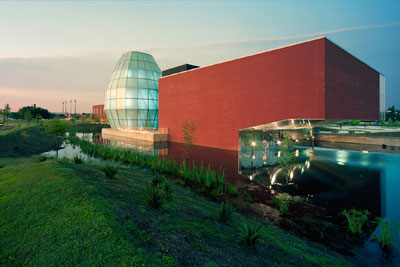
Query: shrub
{"points": [[154, 196], [157, 180], [64, 160], [42, 158], [385, 236], [2, 166], [249, 234], [78, 159], [110, 170], [232, 190], [225, 212], [214, 193], [356, 220], [283, 201], [167, 187]]}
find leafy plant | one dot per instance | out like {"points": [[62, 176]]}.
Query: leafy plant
{"points": [[157, 180], [232, 190], [250, 234], [356, 219], [110, 170], [42, 158], [154, 196], [287, 158], [283, 201], [78, 159], [225, 212], [387, 230]]}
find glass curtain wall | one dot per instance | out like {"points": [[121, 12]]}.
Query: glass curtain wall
{"points": [[131, 98]]}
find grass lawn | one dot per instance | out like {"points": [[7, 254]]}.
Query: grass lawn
{"points": [[55, 213], [25, 140]]}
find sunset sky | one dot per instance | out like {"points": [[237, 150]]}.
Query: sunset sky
{"points": [[56, 51]]}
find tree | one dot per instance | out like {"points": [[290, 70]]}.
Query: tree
{"points": [[35, 111], [56, 128], [287, 158], [6, 113], [188, 136], [28, 115]]}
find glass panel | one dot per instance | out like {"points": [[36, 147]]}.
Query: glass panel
{"points": [[132, 73], [108, 114], [120, 92], [113, 104], [132, 83], [151, 84], [113, 93], [141, 74], [131, 114], [143, 93], [131, 92], [153, 104], [121, 114], [140, 56], [142, 114], [153, 94], [141, 65], [120, 103], [135, 65], [143, 103], [114, 84], [132, 123], [117, 73], [121, 83], [142, 83], [152, 115], [141, 123], [147, 65], [114, 114], [134, 55], [131, 103]]}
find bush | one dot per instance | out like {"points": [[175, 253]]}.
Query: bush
{"points": [[225, 212], [2, 166], [232, 190], [154, 196], [110, 170], [283, 201], [249, 234], [157, 180], [78, 159], [356, 220], [385, 236], [42, 158]]}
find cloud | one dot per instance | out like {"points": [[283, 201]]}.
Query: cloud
{"points": [[284, 38]]}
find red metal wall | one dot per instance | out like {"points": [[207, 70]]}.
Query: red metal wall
{"points": [[351, 86], [221, 99]]}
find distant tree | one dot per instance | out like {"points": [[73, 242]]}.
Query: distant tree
{"points": [[390, 122], [355, 122], [56, 128], [6, 113], [44, 113], [28, 115]]}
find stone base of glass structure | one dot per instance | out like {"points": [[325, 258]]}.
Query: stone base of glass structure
{"points": [[138, 135]]}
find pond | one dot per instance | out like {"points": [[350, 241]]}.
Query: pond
{"points": [[332, 178]]}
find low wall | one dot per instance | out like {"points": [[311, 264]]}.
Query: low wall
{"points": [[389, 141], [145, 136]]}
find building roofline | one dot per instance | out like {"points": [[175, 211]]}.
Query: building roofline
{"points": [[273, 49], [257, 53]]}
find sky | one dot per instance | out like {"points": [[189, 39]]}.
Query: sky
{"points": [[55, 51]]}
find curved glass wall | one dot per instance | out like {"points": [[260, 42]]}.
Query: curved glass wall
{"points": [[131, 98]]}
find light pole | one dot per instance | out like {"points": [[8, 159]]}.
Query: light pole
{"points": [[63, 107], [70, 106], [75, 106]]}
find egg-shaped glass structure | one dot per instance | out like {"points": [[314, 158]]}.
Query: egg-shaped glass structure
{"points": [[131, 98]]}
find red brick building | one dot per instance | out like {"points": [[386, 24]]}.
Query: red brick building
{"points": [[314, 80], [98, 112]]}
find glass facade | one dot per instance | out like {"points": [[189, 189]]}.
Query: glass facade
{"points": [[131, 98]]}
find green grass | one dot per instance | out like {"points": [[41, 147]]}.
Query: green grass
{"points": [[17, 125], [27, 140], [55, 213], [356, 220]]}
